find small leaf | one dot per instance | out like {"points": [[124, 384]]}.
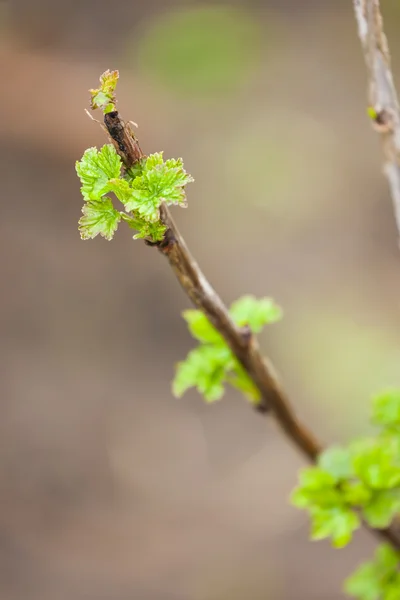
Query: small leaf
{"points": [[316, 489], [378, 579], [153, 231], [355, 493], [104, 96], [242, 382], [99, 217], [387, 559], [204, 368], [201, 328], [381, 509], [377, 462], [386, 408], [315, 478], [121, 188], [95, 169], [255, 313], [339, 523], [364, 583], [337, 462]]}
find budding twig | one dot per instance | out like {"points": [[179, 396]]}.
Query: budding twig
{"points": [[241, 341], [383, 105]]}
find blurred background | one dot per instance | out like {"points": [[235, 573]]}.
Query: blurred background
{"points": [[111, 489]]}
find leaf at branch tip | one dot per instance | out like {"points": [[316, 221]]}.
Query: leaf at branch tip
{"points": [[104, 96], [386, 408], [99, 217], [96, 168], [255, 313]]}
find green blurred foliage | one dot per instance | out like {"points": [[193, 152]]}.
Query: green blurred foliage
{"points": [[352, 361], [201, 51]]}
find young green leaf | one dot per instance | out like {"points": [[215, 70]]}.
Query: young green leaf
{"points": [[158, 182], [386, 408], [242, 382], [104, 96], [382, 507], [152, 231], [99, 217], [355, 493], [121, 188], [337, 462], [317, 489], [364, 583], [95, 169], [201, 328], [255, 313], [378, 579], [377, 462], [204, 368], [337, 522]]}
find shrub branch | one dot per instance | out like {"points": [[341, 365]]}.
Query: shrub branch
{"points": [[383, 105], [240, 340]]}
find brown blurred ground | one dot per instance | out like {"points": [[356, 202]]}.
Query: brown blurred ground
{"points": [[111, 489]]}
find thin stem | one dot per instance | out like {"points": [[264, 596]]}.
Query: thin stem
{"points": [[383, 104]]}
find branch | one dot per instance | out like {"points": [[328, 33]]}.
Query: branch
{"points": [[241, 341], [383, 105]]}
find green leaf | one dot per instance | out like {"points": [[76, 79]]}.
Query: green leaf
{"points": [[381, 509], [364, 583], [159, 182], [204, 368], [152, 231], [153, 161], [104, 96], [317, 489], [242, 382], [386, 408], [377, 462], [392, 589], [338, 522], [99, 217], [387, 559], [355, 493], [95, 169], [121, 188], [378, 579], [255, 313], [337, 462], [315, 478], [201, 328]]}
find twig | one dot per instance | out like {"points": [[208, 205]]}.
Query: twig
{"points": [[241, 341], [383, 105]]}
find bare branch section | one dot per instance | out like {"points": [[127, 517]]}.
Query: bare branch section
{"points": [[383, 105], [241, 341]]}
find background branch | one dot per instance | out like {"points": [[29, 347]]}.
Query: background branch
{"points": [[383, 105]]}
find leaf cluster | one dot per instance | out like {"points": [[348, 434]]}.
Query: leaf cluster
{"points": [[141, 191], [361, 480], [212, 365]]}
